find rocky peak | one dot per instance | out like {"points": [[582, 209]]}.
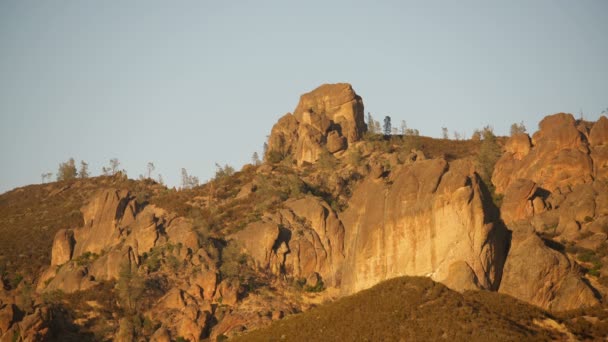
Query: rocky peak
{"points": [[327, 118], [558, 156]]}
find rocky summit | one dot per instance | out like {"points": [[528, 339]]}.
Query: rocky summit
{"points": [[338, 222]]}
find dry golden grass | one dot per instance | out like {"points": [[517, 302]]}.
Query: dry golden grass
{"points": [[414, 309]]}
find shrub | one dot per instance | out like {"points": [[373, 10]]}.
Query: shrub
{"points": [[327, 161], [86, 259], [275, 157], [355, 158], [67, 170]]}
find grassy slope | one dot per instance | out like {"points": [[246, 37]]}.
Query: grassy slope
{"points": [[413, 309]]}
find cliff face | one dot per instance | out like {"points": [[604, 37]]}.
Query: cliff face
{"points": [[425, 219]]}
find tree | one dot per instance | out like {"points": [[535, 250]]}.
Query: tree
{"points": [[517, 128], [370, 123], [387, 125], [489, 152], [67, 170], [476, 135], [130, 287], [403, 127], [457, 136], [188, 181], [46, 176], [160, 179], [114, 163], [444, 133], [255, 159], [222, 172], [150, 168], [84, 169]]}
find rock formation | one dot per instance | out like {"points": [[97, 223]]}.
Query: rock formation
{"points": [[329, 117], [553, 185], [431, 221], [558, 156], [542, 276], [414, 216]]}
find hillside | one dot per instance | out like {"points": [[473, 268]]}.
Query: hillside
{"points": [[332, 211], [418, 309]]}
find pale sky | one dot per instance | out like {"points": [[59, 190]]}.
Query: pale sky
{"points": [[191, 83]]}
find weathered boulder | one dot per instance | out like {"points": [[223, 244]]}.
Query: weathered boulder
{"points": [[143, 233], [519, 145], [518, 200], [109, 265], [599, 132], [461, 277], [71, 278], [542, 276], [258, 239], [416, 227], [205, 281], [63, 247], [181, 231], [329, 117]]}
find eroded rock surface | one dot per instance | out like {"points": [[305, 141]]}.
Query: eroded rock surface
{"points": [[431, 217], [329, 117], [545, 277]]}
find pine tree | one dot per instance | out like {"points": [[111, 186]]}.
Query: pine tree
{"points": [[388, 128], [150, 168], [67, 170], [255, 159], [84, 169]]}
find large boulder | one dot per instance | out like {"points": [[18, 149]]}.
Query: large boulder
{"points": [[542, 276], [518, 202], [63, 247], [599, 132], [258, 239], [329, 117], [416, 227]]}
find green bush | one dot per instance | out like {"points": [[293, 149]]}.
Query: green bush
{"points": [[275, 157]]}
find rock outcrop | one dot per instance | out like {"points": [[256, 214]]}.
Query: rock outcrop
{"points": [[559, 156], [553, 186], [328, 118], [433, 218], [542, 276], [114, 233], [303, 239]]}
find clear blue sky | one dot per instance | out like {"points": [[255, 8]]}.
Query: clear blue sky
{"points": [[191, 83]]}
